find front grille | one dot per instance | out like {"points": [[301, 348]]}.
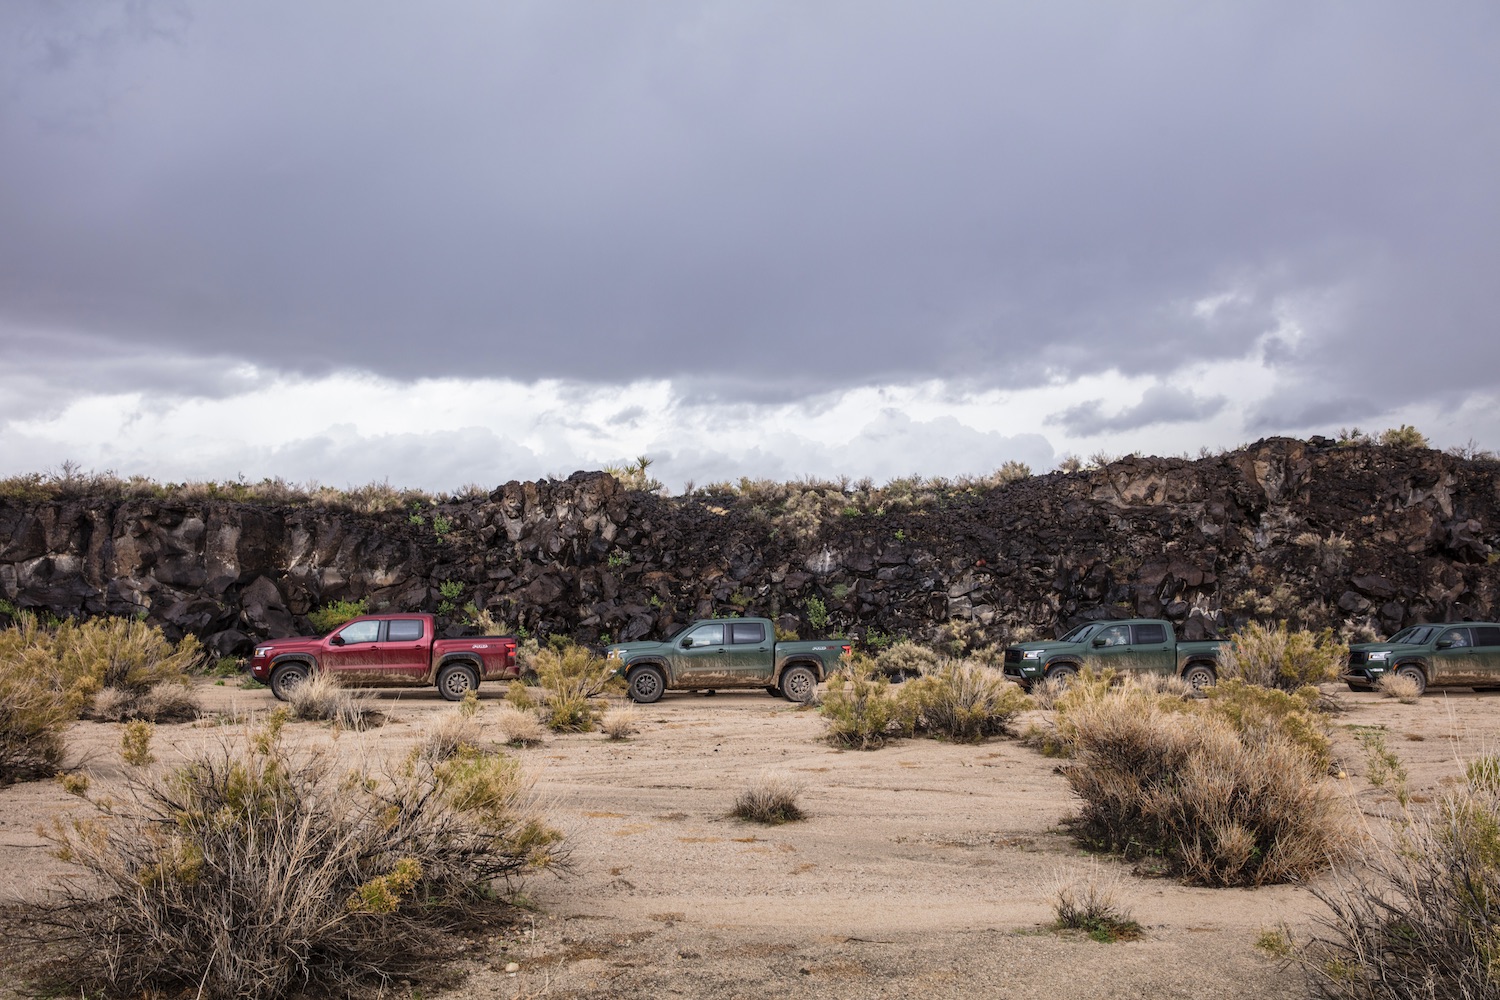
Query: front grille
{"points": [[1358, 656], [1012, 656]]}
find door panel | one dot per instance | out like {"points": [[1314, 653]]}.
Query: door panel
{"points": [[751, 659], [1456, 663], [359, 659], [405, 650], [702, 658]]}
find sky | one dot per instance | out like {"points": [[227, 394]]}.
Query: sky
{"points": [[470, 241]]}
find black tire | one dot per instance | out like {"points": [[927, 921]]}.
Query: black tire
{"points": [[456, 680], [646, 684], [1200, 676], [286, 677], [1063, 673], [798, 684], [773, 691], [1415, 673]]}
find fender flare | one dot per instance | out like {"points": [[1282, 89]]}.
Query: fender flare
{"points": [[659, 664], [811, 662]]}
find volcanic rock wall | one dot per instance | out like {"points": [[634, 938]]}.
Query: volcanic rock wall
{"points": [[1312, 532]]}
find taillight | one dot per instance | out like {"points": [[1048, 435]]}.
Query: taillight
{"points": [[848, 650]]}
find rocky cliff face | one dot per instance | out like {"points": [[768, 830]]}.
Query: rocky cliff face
{"points": [[1307, 531]]}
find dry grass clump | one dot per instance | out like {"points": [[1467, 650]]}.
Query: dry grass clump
{"points": [[168, 702], [1280, 658], [33, 718], [521, 729], [1420, 918], [769, 799], [1404, 689], [1210, 801], [1091, 904], [573, 677], [1046, 694], [454, 733], [321, 698], [620, 723], [254, 871]]}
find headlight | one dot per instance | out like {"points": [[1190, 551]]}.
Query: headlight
{"points": [[261, 651], [611, 654], [1380, 657], [1031, 654]]}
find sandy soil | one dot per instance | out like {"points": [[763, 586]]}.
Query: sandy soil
{"points": [[923, 868]]}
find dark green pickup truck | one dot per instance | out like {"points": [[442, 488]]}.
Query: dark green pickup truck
{"points": [[722, 653], [1459, 654], [1143, 644]]}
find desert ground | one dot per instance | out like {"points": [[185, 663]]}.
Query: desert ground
{"points": [[923, 869]]}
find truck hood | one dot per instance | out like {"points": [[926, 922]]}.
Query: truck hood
{"points": [[296, 642], [624, 650], [1044, 645], [1378, 647]]}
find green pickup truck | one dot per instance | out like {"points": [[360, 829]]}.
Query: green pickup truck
{"points": [[1143, 644], [1459, 654], [723, 653]]}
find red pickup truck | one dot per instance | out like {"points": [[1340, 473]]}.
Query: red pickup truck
{"points": [[387, 651]]}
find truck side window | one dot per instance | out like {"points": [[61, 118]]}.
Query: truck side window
{"points": [[707, 635], [1487, 635], [1456, 636], [744, 632], [1116, 635], [360, 632], [404, 630], [1147, 634]]}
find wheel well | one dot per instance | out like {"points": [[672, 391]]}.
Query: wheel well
{"points": [[291, 661], [459, 659], [1411, 663], [648, 663], [1210, 664], [814, 665], [1059, 663]]}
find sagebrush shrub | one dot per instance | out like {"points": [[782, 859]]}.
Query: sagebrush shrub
{"points": [[1281, 658], [33, 718], [1420, 918], [1091, 904], [1258, 712], [1401, 687], [573, 677], [454, 733], [521, 729], [255, 871], [965, 702], [863, 712], [1210, 802], [906, 659]]}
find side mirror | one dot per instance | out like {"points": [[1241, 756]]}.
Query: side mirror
{"points": [[1100, 642], [336, 640], [1444, 643], [687, 643]]}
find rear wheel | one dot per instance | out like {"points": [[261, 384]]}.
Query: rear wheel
{"points": [[798, 684], [1413, 673], [1200, 676], [456, 680], [286, 677], [646, 684]]}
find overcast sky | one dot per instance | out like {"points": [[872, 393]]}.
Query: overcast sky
{"points": [[466, 242]]}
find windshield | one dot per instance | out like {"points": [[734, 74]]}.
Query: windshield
{"points": [[676, 633], [1416, 635], [1080, 633]]}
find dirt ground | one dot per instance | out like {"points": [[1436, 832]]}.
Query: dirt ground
{"points": [[923, 869]]}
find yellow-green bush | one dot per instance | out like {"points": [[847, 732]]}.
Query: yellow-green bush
{"points": [[254, 871], [331, 616], [862, 711], [1281, 658], [573, 678], [965, 702]]}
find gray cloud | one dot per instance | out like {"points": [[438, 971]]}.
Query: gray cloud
{"points": [[1160, 404], [762, 198]]}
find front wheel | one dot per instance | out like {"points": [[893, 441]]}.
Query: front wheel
{"points": [[1063, 674], [456, 680], [1413, 673], [798, 685], [645, 685], [286, 677], [1200, 676]]}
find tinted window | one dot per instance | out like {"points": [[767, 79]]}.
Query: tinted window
{"points": [[1078, 633], [747, 632], [1116, 635], [1150, 633], [1416, 635], [707, 635], [1487, 635], [360, 632], [404, 630]]}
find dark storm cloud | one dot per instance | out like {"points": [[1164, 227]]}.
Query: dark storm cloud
{"points": [[1159, 404], [761, 199]]}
